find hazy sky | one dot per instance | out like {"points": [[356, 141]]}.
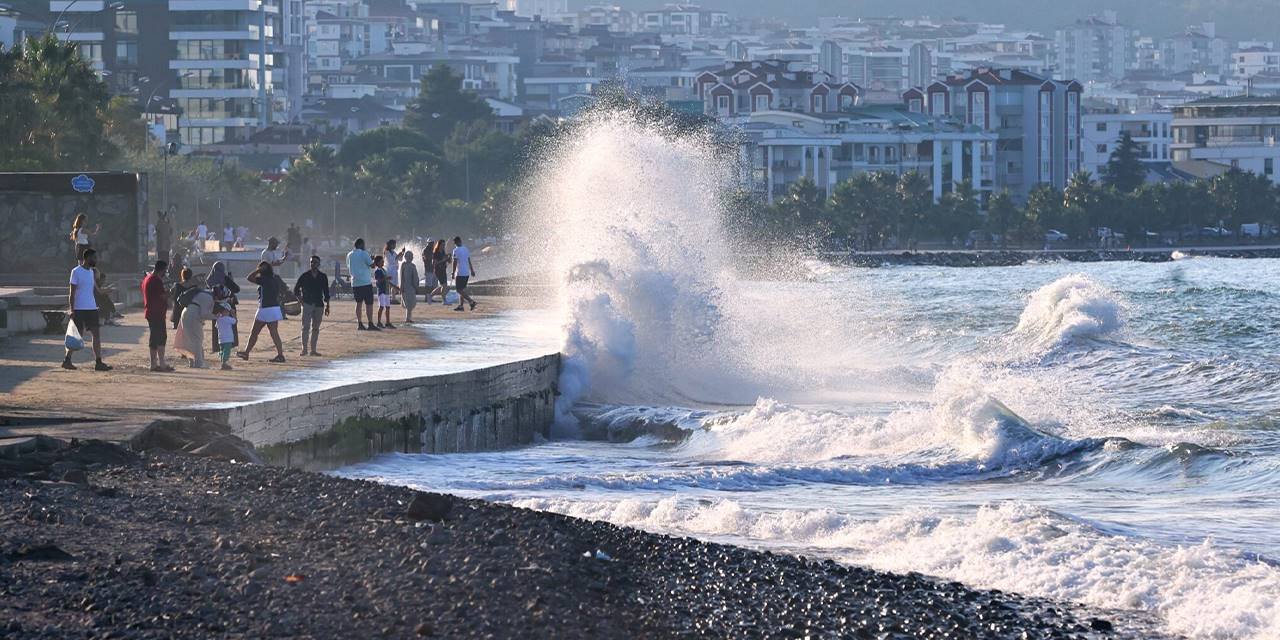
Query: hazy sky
{"points": [[1236, 19]]}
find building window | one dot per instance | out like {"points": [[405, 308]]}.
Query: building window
{"points": [[127, 22], [722, 105], [978, 116], [126, 52], [815, 103], [846, 101], [1102, 148], [937, 103], [762, 103], [914, 105], [1101, 126], [1268, 166]]}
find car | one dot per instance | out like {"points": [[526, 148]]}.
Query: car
{"points": [[1214, 232], [1053, 235]]}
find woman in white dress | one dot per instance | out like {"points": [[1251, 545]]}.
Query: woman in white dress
{"points": [[80, 234], [190, 336]]}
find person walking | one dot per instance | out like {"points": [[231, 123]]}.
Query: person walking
{"points": [[80, 234], [463, 271], [313, 289], [408, 286], [269, 313], [226, 324], [197, 308], [360, 266], [224, 290], [429, 281], [440, 269], [155, 304], [84, 308]]}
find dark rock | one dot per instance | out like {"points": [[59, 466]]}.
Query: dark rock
{"points": [[39, 553], [76, 476], [429, 506], [228, 448], [424, 629]]}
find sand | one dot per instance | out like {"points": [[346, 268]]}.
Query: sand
{"points": [[30, 375]]}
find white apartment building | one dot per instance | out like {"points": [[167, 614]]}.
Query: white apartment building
{"points": [[1255, 60], [530, 8], [1153, 133], [1241, 132], [225, 62], [828, 148], [1097, 48], [1198, 48]]}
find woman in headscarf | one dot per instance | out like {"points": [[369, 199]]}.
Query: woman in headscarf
{"points": [[409, 285], [224, 289], [189, 339], [175, 294]]}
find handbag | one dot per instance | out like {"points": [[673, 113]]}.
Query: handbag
{"points": [[74, 341]]}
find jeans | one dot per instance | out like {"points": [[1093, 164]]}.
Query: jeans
{"points": [[311, 316]]}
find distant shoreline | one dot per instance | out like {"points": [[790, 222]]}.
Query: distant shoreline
{"points": [[1016, 257]]}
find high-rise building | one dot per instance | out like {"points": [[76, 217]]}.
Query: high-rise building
{"points": [[1095, 49], [222, 61]]}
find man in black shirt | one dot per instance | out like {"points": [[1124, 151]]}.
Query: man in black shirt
{"points": [[313, 289]]}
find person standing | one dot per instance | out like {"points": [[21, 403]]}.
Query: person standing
{"points": [[383, 283], [440, 268], [360, 266], [292, 238], [197, 308], [463, 271], [155, 304], [269, 313], [224, 290], [228, 238], [313, 289], [164, 236], [409, 286], [272, 254], [226, 322], [180, 287], [391, 262], [202, 234], [80, 234], [84, 308]]}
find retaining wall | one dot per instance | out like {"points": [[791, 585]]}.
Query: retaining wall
{"points": [[490, 408]]}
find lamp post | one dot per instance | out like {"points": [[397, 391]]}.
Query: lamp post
{"points": [[168, 150], [333, 198]]}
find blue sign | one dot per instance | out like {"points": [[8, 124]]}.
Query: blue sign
{"points": [[82, 184]]}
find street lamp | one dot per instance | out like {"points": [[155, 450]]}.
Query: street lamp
{"points": [[114, 6], [169, 149]]}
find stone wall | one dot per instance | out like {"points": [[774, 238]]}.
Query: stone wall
{"points": [[490, 408], [36, 211]]}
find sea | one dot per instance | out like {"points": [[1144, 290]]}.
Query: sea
{"points": [[1105, 434]]}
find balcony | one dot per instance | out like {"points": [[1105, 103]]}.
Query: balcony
{"points": [[213, 32], [77, 6], [219, 5]]}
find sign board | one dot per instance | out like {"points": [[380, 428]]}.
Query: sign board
{"points": [[82, 184]]}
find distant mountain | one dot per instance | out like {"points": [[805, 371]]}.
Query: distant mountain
{"points": [[1236, 19]]}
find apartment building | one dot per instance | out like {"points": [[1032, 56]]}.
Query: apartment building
{"points": [[682, 19], [1097, 48], [1250, 62], [783, 147], [738, 89], [1241, 132], [1198, 48], [1101, 131], [224, 62], [1036, 119]]}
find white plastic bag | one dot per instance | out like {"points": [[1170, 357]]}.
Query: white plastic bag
{"points": [[74, 341]]}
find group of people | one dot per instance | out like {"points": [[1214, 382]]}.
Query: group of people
{"points": [[394, 272], [195, 300]]}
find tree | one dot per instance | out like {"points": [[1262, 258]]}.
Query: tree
{"points": [[374, 141], [957, 211], [1081, 206], [442, 104], [915, 202], [1044, 211], [803, 207], [124, 124], [1242, 196], [478, 155], [1124, 169], [866, 207], [1003, 216]]}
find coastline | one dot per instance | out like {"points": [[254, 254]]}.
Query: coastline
{"points": [[1016, 257], [164, 545]]}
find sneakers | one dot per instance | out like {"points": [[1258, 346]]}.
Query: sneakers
{"points": [[362, 327], [304, 353], [226, 366], [243, 355], [389, 326], [277, 359], [373, 328], [66, 364], [473, 305], [315, 354], [459, 308], [101, 366]]}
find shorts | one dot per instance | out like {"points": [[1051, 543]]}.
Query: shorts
{"points": [[363, 293], [460, 282], [442, 276], [269, 314], [85, 320], [159, 333], [384, 300]]}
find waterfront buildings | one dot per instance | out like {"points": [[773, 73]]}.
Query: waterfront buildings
{"points": [[1241, 132], [1101, 131], [1097, 48]]}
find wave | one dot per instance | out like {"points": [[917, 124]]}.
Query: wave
{"points": [[1069, 310], [1201, 590]]}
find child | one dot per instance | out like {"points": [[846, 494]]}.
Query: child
{"points": [[226, 320], [384, 286]]}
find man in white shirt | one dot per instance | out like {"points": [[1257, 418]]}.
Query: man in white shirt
{"points": [[463, 270], [272, 254], [202, 232], [228, 238], [360, 266], [84, 308]]}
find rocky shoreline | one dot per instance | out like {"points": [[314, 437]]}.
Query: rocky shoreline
{"points": [[100, 542], [1011, 258]]}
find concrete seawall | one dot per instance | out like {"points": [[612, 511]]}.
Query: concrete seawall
{"points": [[490, 408]]}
